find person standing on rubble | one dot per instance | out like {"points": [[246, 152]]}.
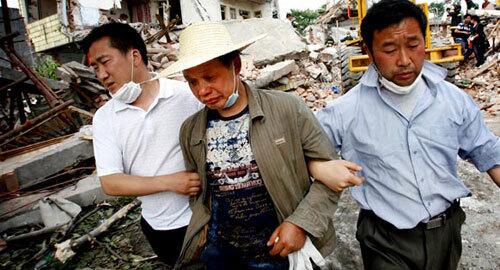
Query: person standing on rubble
{"points": [[136, 136], [405, 125], [251, 149], [461, 33], [478, 42]]}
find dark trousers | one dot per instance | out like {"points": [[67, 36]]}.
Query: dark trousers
{"points": [[166, 244], [479, 51], [383, 246], [227, 258]]}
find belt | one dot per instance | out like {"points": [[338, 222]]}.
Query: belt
{"points": [[440, 219]]}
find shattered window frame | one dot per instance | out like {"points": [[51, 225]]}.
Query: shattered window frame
{"points": [[223, 12], [245, 14], [232, 13]]}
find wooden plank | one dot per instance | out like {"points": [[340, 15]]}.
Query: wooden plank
{"points": [[32, 147], [7, 74]]}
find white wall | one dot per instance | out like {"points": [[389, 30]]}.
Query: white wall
{"points": [[266, 8], [212, 9], [191, 9]]}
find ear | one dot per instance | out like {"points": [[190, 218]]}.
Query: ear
{"points": [[136, 56], [237, 65], [369, 53]]}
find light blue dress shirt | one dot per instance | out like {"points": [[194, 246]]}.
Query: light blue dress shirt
{"points": [[410, 165]]}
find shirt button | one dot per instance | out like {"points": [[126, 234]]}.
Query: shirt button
{"points": [[415, 152], [422, 180]]}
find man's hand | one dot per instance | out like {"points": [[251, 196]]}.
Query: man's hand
{"points": [[287, 238], [336, 174], [186, 183]]}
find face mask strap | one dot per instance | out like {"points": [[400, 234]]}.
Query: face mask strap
{"points": [[236, 86], [132, 76]]}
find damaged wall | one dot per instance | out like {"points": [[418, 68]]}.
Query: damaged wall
{"points": [[198, 10]]}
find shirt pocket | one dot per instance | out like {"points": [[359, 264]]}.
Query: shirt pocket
{"points": [[444, 134]]}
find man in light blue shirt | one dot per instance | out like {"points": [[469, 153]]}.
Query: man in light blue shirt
{"points": [[405, 125]]}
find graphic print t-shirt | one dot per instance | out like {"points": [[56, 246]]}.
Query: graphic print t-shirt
{"points": [[243, 215]]}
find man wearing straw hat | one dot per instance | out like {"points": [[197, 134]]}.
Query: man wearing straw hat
{"points": [[252, 149], [136, 133]]}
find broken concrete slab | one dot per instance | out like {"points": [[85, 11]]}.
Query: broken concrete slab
{"points": [[314, 71], [314, 56], [280, 43], [328, 55], [274, 72], [34, 166], [315, 47], [339, 33], [85, 192]]}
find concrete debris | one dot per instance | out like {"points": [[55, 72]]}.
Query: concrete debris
{"points": [[314, 71], [85, 192], [315, 34], [274, 72], [281, 41], [57, 211], [28, 169]]}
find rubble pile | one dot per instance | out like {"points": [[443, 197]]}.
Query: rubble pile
{"points": [[88, 93], [309, 71], [482, 84]]}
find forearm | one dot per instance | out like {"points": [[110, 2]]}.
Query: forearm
{"points": [[315, 212], [495, 174], [314, 167], [121, 184]]}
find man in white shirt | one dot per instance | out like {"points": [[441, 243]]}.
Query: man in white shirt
{"points": [[136, 136]]}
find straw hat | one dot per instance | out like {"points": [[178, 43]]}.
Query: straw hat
{"points": [[202, 42]]}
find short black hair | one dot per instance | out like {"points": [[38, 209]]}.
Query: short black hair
{"points": [[388, 12], [121, 36], [228, 58], [475, 18]]}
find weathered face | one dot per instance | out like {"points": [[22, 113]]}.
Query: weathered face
{"points": [[398, 51], [112, 67], [211, 82]]}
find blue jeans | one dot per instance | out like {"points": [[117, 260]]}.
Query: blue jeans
{"points": [[222, 258]]}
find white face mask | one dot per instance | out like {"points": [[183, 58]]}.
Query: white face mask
{"points": [[400, 90], [129, 92], [234, 96]]}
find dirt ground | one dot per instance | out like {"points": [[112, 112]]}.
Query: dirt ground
{"points": [[122, 247]]}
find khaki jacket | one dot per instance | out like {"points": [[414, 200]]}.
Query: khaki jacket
{"points": [[283, 135]]}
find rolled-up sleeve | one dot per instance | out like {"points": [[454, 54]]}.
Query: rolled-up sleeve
{"points": [[477, 142]]}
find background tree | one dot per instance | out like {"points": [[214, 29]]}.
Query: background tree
{"points": [[304, 18]]}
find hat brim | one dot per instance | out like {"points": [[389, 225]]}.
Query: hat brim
{"points": [[195, 60]]}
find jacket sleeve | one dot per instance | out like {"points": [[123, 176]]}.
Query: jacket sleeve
{"points": [[315, 212], [184, 139]]}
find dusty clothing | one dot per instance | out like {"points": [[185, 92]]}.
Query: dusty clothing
{"points": [[283, 135]]}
